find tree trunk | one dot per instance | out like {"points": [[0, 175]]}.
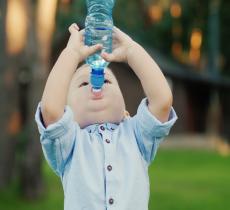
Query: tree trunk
{"points": [[36, 66], [30, 165], [144, 12], [10, 115]]}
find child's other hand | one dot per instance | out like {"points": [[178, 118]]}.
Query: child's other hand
{"points": [[122, 45], [77, 46]]}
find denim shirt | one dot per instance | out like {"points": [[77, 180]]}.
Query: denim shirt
{"points": [[104, 166]]}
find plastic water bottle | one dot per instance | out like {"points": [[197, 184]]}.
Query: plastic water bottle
{"points": [[98, 29]]}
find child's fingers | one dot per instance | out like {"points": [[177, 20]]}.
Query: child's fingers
{"points": [[118, 35], [82, 32], [118, 31], [115, 45], [73, 28], [115, 37], [94, 48], [108, 57]]}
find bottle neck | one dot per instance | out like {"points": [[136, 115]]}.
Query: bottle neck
{"points": [[99, 9]]}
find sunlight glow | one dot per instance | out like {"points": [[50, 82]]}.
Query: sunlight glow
{"points": [[46, 19], [155, 12], [175, 10], [16, 26]]}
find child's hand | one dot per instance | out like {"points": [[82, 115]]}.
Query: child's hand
{"points": [[122, 45], [76, 43]]}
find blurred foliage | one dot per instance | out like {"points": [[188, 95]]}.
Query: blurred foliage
{"points": [[133, 17]]}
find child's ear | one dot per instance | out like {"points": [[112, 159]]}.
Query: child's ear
{"points": [[126, 113]]}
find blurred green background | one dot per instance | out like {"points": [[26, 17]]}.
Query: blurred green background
{"points": [[189, 39]]}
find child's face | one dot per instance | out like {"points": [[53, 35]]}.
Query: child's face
{"points": [[90, 108]]}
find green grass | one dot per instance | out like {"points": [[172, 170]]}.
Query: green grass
{"points": [[188, 180]]}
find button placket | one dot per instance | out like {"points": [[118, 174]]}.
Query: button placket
{"points": [[106, 137], [108, 152], [107, 141], [111, 201], [102, 127], [109, 168], [108, 165]]}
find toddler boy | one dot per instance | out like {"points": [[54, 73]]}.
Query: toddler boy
{"points": [[101, 155]]}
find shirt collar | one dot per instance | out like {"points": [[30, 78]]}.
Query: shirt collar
{"points": [[108, 126]]}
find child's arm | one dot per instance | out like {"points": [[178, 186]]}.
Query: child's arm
{"points": [[55, 93], [152, 79], [153, 82]]}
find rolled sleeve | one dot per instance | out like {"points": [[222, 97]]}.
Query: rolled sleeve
{"points": [[57, 139], [150, 124], [150, 131], [56, 129]]}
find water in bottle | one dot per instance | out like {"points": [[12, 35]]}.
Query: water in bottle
{"points": [[98, 29]]}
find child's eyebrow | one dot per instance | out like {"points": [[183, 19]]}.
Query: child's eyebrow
{"points": [[82, 76]]}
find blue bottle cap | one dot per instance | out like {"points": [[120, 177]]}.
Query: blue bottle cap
{"points": [[97, 79]]}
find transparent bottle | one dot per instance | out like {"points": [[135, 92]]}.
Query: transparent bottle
{"points": [[98, 29]]}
